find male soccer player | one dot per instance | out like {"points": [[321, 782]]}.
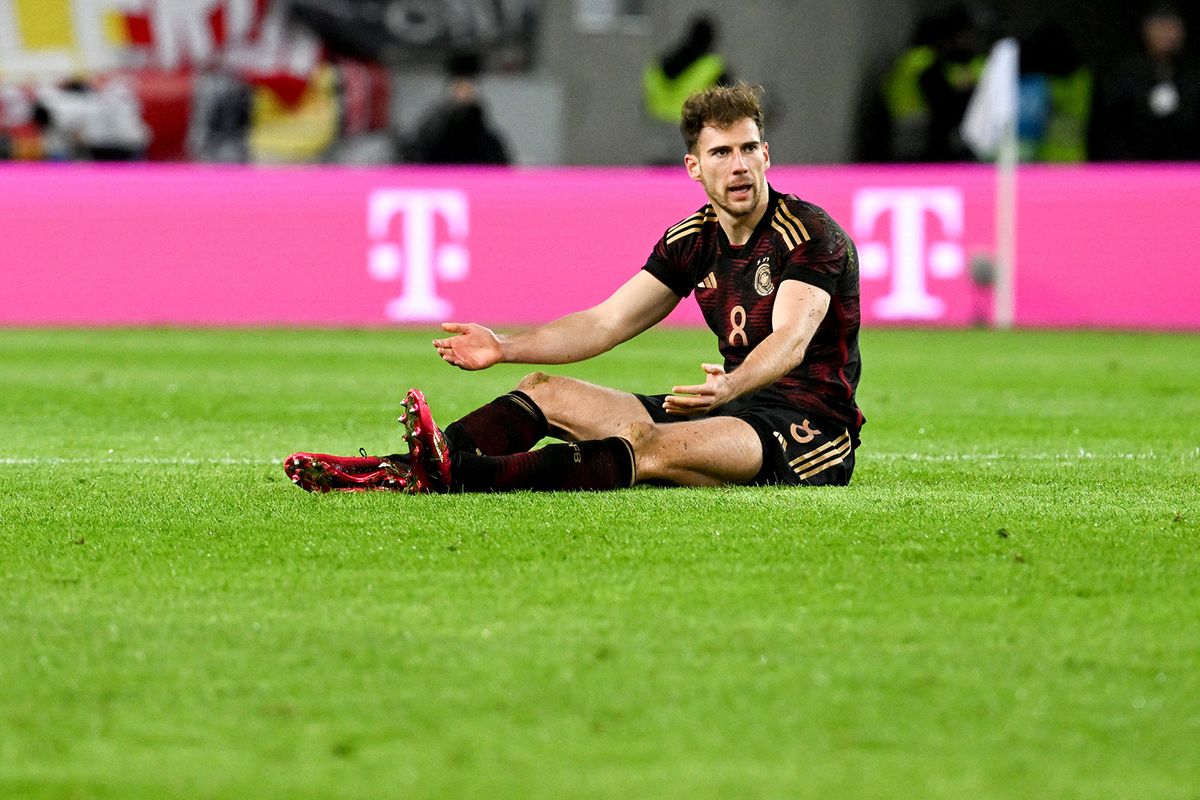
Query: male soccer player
{"points": [[777, 280]]}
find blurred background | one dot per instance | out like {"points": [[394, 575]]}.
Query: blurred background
{"points": [[579, 82]]}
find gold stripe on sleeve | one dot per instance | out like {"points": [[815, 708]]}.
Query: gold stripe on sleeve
{"points": [[787, 213]]}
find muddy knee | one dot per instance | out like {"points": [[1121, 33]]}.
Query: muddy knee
{"points": [[550, 391], [531, 382], [554, 395]]}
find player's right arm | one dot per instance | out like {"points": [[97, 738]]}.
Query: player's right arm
{"points": [[638, 304]]}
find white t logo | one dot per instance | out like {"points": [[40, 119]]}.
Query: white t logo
{"points": [[420, 262], [907, 254]]}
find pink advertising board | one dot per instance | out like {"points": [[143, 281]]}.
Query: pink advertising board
{"points": [[193, 245]]}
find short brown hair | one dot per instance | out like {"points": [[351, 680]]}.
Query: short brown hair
{"points": [[720, 107]]}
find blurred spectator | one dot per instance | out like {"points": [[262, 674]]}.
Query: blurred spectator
{"points": [[1148, 107], [947, 83], [219, 128], [1056, 98], [926, 90], [16, 115], [907, 111], [113, 129], [81, 123], [688, 67], [58, 112], [457, 130]]}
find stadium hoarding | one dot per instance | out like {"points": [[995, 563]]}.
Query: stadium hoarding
{"points": [[1111, 246]]}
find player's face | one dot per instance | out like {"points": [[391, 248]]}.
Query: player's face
{"points": [[732, 164]]}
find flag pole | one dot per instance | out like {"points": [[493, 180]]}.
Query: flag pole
{"points": [[989, 128], [1005, 287]]}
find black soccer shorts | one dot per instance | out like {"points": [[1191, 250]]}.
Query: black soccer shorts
{"points": [[799, 449]]}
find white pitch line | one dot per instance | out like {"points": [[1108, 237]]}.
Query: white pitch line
{"points": [[153, 462], [1082, 455], [865, 455]]}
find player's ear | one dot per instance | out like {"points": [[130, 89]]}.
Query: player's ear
{"points": [[766, 156], [693, 166]]}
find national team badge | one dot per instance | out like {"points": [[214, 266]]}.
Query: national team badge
{"points": [[762, 277]]}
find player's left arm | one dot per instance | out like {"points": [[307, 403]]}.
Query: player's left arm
{"points": [[798, 311]]}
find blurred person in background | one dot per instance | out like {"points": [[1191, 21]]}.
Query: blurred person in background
{"points": [[1148, 106], [58, 112], [221, 118], [457, 130], [1056, 98], [949, 80], [907, 110], [82, 123], [691, 65], [113, 129]]}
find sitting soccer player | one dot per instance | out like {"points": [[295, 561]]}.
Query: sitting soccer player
{"points": [[777, 281]]}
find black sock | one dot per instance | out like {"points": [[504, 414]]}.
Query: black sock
{"points": [[592, 465], [512, 423]]}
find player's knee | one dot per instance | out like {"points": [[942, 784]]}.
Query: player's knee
{"points": [[551, 394], [643, 436], [533, 381], [549, 391], [640, 434]]}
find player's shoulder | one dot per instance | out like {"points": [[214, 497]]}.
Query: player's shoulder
{"points": [[691, 225], [798, 221]]}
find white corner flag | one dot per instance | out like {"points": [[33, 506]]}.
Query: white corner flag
{"points": [[989, 128], [992, 112]]}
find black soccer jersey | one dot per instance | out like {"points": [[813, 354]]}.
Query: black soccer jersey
{"points": [[735, 287]]}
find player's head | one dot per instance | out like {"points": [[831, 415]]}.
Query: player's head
{"points": [[723, 128], [720, 107]]}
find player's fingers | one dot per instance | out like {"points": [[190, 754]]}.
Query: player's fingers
{"points": [[455, 327], [681, 411], [700, 389], [686, 401], [713, 369]]}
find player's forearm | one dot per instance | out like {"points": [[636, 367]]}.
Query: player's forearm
{"points": [[775, 356], [572, 338]]}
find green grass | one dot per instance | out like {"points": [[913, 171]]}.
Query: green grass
{"points": [[1004, 604]]}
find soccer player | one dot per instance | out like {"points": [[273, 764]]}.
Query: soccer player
{"points": [[777, 281]]}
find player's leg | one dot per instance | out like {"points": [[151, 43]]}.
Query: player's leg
{"points": [[512, 423], [708, 452], [439, 463], [543, 405], [613, 441], [714, 451], [704, 452], [579, 411]]}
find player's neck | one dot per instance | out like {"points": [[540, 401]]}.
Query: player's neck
{"points": [[739, 229]]}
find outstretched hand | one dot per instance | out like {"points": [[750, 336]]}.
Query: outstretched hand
{"points": [[701, 398], [472, 347]]}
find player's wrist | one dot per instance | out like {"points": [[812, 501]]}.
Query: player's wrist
{"points": [[503, 349]]}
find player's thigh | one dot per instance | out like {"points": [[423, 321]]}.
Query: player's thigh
{"points": [[705, 452], [577, 410]]}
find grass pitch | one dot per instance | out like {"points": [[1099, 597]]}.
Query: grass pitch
{"points": [[1004, 604]]}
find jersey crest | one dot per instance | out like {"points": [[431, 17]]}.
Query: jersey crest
{"points": [[762, 277]]}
